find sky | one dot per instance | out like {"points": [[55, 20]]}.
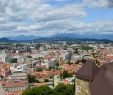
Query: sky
{"points": [[50, 17]]}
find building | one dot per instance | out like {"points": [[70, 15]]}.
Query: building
{"points": [[10, 87], [22, 68], [93, 80], [4, 70], [103, 83], [18, 75], [85, 75], [52, 63]]}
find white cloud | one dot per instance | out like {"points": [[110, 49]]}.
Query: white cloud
{"points": [[99, 3], [39, 17]]}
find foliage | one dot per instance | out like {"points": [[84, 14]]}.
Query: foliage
{"points": [[29, 56], [85, 47], [39, 69], [65, 74], [82, 61], [76, 51], [42, 90], [32, 79], [46, 80], [50, 67], [60, 89], [57, 68], [69, 62], [97, 62], [51, 77], [14, 60], [57, 64], [1, 77]]}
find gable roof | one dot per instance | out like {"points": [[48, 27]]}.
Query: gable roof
{"points": [[103, 83], [88, 71]]}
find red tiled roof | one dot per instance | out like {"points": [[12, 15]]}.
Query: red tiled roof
{"points": [[13, 93], [14, 84]]}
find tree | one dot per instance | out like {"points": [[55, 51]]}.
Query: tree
{"points": [[85, 47], [32, 79], [42, 90], [63, 89], [29, 56], [14, 60], [1, 77], [73, 82], [50, 67], [76, 51], [97, 62], [57, 64], [60, 89], [46, 80], [65, 74], [69, 62], [39, 69]]}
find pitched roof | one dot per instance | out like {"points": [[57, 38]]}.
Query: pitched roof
{"points": [[88, 71], [103, 83], [14, 84]]}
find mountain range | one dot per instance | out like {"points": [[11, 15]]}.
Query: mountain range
{"points": [[58, 37]]}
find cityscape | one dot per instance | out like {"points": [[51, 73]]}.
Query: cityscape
{"points": [[56, 47], [28, 65]]}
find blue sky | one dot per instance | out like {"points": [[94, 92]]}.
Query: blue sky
{"points": [[49, 17], [95, 14]]}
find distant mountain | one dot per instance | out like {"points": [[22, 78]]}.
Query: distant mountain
{"points": [[72, 37], [85, 36], [65, 35], [5, 40], [60, 37], [22, 38]]}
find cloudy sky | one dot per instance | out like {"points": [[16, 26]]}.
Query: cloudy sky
{"points": [[50, 17]]}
